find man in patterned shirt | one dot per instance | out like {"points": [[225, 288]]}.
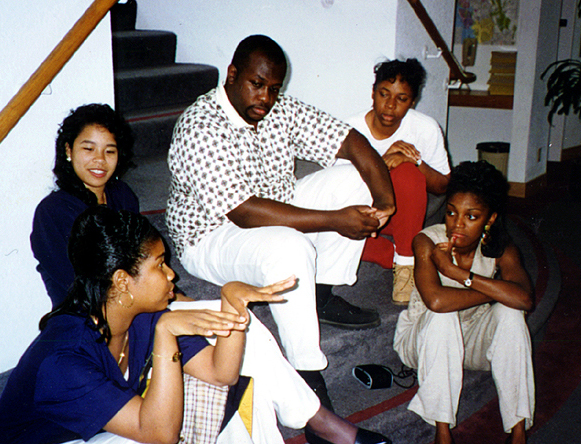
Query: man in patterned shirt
{"points": [[237, 212]]}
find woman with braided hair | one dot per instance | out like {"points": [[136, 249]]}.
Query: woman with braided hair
{"points": [[467, 307], [108, 365]]}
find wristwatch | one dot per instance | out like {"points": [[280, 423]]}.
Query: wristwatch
{"points": [[468, 282]]}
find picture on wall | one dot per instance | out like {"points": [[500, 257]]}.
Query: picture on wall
{"points": [[489, 22]]}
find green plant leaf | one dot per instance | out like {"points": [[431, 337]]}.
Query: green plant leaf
{"points": [[563, 87]]}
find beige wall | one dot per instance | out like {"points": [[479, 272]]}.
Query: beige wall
{"points": [[29, 30]]}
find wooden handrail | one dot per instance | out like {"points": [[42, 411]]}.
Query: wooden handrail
{"points": [[47, 71], [456, 70]]}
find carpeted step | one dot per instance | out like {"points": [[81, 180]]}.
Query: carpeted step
{"points": [[165, 86], [153, 130], [143, 48]]}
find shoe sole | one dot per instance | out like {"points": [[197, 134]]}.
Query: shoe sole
{"points": [[351, 326]]}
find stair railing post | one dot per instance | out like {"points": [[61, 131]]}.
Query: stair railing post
{"points": [[456, 70]]}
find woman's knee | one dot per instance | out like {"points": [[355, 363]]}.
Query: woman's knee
{"points": [[507, 315], [441, 329], [511, 321], [410, 177], [441, 321]]}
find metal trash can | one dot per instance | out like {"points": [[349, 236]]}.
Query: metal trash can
{"points": [[495, 153]]}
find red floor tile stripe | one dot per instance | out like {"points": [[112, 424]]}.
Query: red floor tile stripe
{"points": [[370, 412]]}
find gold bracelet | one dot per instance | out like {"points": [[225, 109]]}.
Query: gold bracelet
{"points": [[175, 358]]}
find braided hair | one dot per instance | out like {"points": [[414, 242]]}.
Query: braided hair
{"points": [[489, 185], [103, 241]]}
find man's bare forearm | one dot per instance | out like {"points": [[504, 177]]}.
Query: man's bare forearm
{"points": [[371, 167], [354, 222], [260, 212]]}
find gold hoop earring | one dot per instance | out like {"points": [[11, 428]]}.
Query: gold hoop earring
{"points": [[127, 306], [486, 234]]}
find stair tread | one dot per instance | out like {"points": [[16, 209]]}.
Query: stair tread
{"points": [[143, 48], [141, 33], [162, 87], [154, 113], [177, 68]]}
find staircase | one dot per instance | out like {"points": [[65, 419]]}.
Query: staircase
{"points": [[151, 89]]}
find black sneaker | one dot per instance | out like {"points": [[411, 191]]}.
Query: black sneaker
{"points": [[363, 437], [316, 382], [340, 313]]}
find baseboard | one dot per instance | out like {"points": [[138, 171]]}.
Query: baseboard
{"points": [[520, 189], [571, 153]]}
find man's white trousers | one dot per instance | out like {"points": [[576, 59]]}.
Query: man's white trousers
{"points": [[265, 255]]}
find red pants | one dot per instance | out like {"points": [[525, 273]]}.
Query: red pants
{"points": [[409, 186]]}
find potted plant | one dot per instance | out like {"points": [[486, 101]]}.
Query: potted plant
{"points": [[564, 85]]}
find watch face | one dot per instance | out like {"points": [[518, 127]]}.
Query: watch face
{"points": [[468, 282]]}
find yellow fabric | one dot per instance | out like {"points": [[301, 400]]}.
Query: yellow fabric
{"points": [[246, 403], [146, 387]]}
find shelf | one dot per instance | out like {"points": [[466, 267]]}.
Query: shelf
{"points": [[478, 99]]}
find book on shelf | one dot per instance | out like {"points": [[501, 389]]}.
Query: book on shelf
{"points": [[506, 68], [502, 73], [501, 79], [501, 90], [503, 57]]}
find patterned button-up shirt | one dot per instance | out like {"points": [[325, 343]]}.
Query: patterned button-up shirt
{"points": [[217, 160]]}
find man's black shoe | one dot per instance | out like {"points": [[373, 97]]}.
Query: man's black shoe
{"points": [[316, 382], [368, 437], [363, 437], [340, 313]]}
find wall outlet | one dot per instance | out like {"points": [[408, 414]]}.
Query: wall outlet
{"points": [[539, 153]]}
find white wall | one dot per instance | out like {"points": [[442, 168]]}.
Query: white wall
{"points": [[412, 40], [537, 48], [29, 30], [566, 130], [469, 126], [332, 45]]}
